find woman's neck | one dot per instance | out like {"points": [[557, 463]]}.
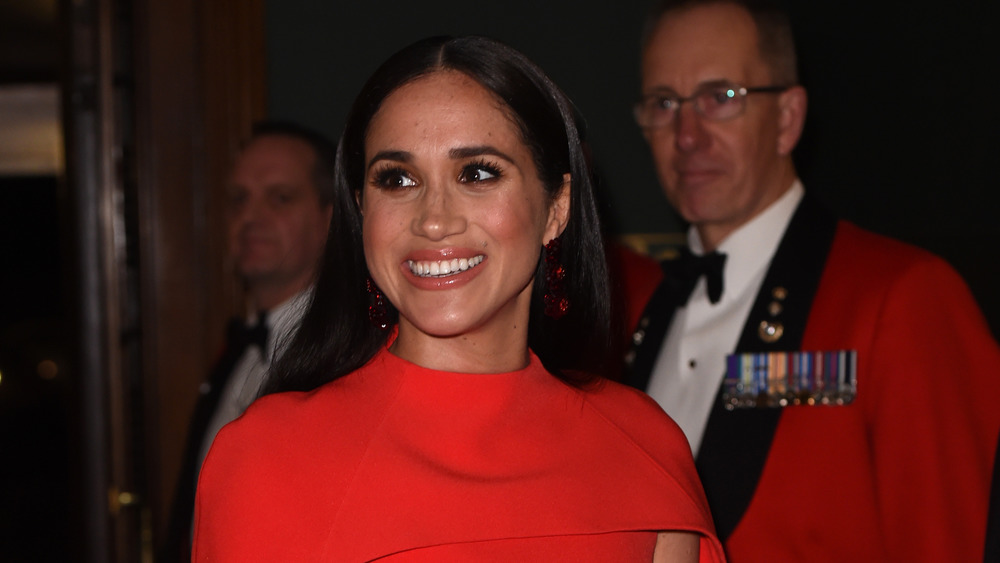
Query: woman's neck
{"points": [[479, 351]]}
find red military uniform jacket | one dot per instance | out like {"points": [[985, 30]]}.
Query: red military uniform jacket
{"points": [[902, 473]]}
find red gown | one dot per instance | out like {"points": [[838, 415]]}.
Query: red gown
{"points": [[402, 463]]}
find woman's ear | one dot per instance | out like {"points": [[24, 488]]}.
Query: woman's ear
{"points": [[559, 209]]}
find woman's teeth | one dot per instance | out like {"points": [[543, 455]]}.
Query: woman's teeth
{"points": [[443, 267]]}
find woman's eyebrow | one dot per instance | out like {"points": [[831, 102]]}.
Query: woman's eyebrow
{"points": [[398, 156], [467, 152]]}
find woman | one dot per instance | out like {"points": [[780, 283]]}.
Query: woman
{"points": [[437, 410]]}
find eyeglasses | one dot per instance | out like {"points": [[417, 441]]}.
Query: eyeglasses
{"points": [[715, 101]]}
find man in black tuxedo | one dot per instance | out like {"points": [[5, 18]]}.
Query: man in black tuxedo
{"points": [[860, 425], [280, 193]]}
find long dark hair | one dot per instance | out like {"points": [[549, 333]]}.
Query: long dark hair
{"points": [[337, 337]]}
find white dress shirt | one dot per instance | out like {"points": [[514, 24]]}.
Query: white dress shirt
{"points": [[692, 361]]}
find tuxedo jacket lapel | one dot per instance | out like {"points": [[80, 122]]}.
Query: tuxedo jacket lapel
{"points": [[177, 544], [652, 329], [736, 443]]}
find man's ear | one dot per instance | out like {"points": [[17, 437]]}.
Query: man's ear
{"points": [[791, 118], [559, 209]]}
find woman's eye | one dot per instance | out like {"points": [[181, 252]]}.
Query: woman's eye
{"points": [[480, 172], [393, 178]]}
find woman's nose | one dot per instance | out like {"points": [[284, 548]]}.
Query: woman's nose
{"points": [[438, 216]]}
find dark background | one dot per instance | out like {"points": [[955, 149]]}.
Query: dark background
{"points": [[900, 136], [35, 455]]}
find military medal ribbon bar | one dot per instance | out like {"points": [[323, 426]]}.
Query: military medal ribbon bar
{"points": [[780, 379]]}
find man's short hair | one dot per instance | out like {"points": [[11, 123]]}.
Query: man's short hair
{"points": [[322, 146], [774, 32]]}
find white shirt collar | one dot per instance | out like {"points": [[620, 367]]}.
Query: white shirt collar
{"points": [[749, 248], [691, 363]]}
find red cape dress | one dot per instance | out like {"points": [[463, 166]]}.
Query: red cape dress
{"points": [[397, 462]]}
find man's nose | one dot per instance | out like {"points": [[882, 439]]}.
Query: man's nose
{"points": [[250, 210], [438, 215], [689, 130]]}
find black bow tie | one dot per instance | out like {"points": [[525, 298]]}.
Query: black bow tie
{"points": [[240, 335], [685, 270]]}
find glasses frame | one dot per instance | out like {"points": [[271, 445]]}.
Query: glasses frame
{"points": [[741, 94]]}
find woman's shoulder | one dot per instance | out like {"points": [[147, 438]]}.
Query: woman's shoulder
{"points": [[624, 402], [639, 418], [272, 422], [647, 437], [288, 414], [281, 409]]}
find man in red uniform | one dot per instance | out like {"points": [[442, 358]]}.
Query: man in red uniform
{"points": [[901, 472]]}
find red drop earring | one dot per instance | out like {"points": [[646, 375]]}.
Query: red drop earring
{"points": [[378, 312], [556, 301]]}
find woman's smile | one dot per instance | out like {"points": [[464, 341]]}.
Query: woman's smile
{"points": [[443, 268]]}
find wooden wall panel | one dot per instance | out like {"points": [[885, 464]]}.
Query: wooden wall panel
{"points": [[199, 86]]}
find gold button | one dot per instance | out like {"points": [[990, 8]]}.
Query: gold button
{"points": [[779, 293], [638, 337], [770, 332]]}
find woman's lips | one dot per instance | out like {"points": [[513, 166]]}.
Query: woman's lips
{"points": [[442, 270]]}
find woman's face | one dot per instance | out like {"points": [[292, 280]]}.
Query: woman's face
{"points": [[454, 212]]}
